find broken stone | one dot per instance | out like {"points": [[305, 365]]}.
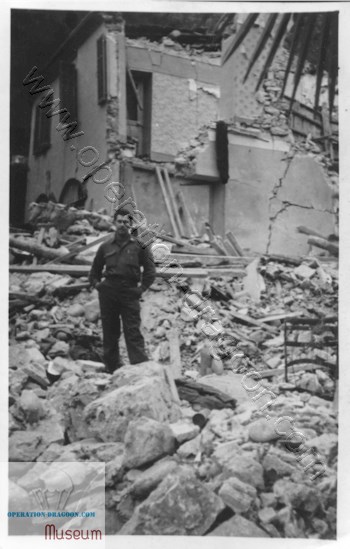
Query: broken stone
{"points": [[149, 480], [268, 499], [114, 471], [76, 310], [36, 282], [37, 373], [275, 467], [41, 335], [237, 494], [190, 448], [183, 431], [239, 464], [57, 282], [326, 445], [60, 348], [34, 355], [181, 505], [90, 365], [25, 446], [18, 379], [282, 132], [92, 310], [239, 526], [268, 514], [108, 417], [31, 406], [304, 272], [310, 382], [263, 430], [224, 424], [146, 440]]}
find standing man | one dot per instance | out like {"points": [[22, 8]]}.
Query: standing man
{"points": [[120, 291]]}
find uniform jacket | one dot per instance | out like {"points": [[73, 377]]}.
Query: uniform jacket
{"points": [[123, 263]]}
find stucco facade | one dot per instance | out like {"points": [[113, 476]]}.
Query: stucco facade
{"points": [[184, 96]]}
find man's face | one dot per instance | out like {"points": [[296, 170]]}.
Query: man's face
{"points": [[123, 225]]}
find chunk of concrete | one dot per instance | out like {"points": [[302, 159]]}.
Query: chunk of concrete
{"points": [[147, 440], [31, 406], [148, 480], [181, 505], [108, 417], [239, 526], [92, 310], [183, 431], [239, 464], [37, 373], [237, 494], [263, 430]]}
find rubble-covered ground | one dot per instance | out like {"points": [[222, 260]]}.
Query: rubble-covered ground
{"points": [[234, 473]]}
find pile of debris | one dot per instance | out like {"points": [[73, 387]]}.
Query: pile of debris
{"points": [[185, 431]]}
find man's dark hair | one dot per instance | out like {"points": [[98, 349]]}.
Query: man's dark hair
{"points": [[123, 212]]}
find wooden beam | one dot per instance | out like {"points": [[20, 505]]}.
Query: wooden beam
{"points": [[175, 355], [252, 321], [324, 244], [72, 254], [167, 203], [39, 250], [232, 239], [173, 202]]}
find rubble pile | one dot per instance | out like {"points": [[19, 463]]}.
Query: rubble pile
{"points": [[189, 450]]}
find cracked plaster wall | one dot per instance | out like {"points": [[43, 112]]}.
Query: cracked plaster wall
{"points": [[269, 195]]}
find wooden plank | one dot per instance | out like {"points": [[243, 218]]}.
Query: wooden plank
{"points": [[190, 222], [230, 236], [83, 270], [196, 250], [170, 380], [175, 355], [252, 321], [220, 245], [331, 247], [231, 250], [167, 203], [70, 255], [283, 316], [311, 232], [236, 260], [173, 202], [31, 246]]}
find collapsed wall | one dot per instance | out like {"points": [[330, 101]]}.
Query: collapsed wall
{"points": [[279, 176]]}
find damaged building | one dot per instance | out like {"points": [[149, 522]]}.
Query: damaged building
{"points": [[231, 428], [140, 104]]}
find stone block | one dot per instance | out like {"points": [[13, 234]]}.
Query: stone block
{"points": [[31, 406], [146, 440], [138, 395], [180, 506], [239, 526], [149, 479], [183, 431], [237, 495], [239, 464]]}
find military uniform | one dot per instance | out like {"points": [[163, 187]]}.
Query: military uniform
{"points": [[119, 295]]}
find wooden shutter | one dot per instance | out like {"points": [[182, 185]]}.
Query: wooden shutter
{"points": [[69, 91], [42, 132], [101, 70]]}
